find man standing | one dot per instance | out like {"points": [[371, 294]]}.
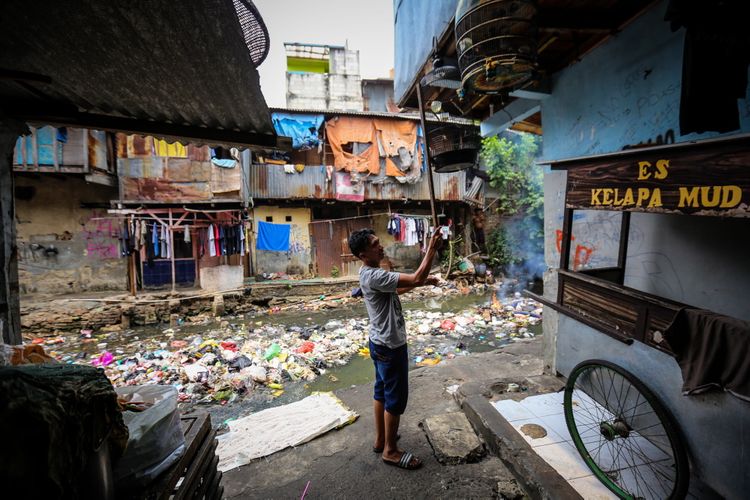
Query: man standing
{"points": [[388, 338]]}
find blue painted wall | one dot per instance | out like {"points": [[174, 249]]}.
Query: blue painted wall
{"points": [[623, 93], [416, 23], [626, 92]]}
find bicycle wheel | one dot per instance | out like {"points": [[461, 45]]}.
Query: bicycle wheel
{"points": [[624, 434]]}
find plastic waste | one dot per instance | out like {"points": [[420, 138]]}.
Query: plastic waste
{"points": [[272, 351], [155, 433]]}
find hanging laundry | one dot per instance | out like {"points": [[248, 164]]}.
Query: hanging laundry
{"points": [[211, 241], [150, 250], [273, 237], [155, 239], [174, 150], [163, 242], [217, 241], [124, 240], [394, 227], [222, 241], [186, 234], [224, 163], [242, 238]]}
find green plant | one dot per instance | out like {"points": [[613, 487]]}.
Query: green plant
{"points": [[451, 256], [500, 248], [335, 272], [518, 179]]}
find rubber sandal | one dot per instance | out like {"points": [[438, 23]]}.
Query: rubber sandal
{"points": [[380, 450], [405, 462]]}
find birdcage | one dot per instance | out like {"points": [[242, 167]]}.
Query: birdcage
{"points": [[496, 42]]}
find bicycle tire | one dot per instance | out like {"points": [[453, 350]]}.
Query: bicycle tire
{"points": [[608, 422]]}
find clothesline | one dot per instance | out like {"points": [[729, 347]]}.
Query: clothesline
{"points": [[390, 214], [193, 223]]}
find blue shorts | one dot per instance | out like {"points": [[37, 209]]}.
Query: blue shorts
{"points": [[391, 377]]}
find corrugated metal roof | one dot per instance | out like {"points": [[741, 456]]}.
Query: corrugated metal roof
{"points": [[171, 69], [374, 114], [271, 182]]}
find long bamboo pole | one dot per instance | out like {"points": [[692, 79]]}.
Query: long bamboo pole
{"points": [[427, 156]]}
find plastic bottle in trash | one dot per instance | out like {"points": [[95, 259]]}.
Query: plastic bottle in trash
{"points": [[273, 351]]}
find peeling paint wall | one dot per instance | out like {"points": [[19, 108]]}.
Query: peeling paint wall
{"points": [[62, 247], [299, 257]]}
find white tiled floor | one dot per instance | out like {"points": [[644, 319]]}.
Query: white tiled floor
{"points": [[557, 448]]}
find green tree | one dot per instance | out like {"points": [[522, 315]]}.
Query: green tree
{"points": [[511, 167]]}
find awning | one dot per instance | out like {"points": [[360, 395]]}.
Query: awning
{"points": [[159, 68]]}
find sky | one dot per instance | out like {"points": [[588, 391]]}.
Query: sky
{"points": [[366, 25]]}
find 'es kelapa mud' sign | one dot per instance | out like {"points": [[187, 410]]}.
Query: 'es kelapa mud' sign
{"points": [[695, 179]]}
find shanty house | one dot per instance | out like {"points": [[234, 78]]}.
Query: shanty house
{"points": [[350, 170]]}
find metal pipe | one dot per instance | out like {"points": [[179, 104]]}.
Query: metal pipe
{"points": [[427, 155]]}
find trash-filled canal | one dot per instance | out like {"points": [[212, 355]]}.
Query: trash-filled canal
{"points": [[232, 366]]}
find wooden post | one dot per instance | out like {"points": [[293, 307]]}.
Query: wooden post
{"points": [[171, 251], [622, 254], [10, 311], [132, 273], [55, 160], [427, 155], [85, 141]]}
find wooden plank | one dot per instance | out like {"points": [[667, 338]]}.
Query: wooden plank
{"points": [[711, 179], [85, 141], [631, 292], [620, 317], [196, 428], [192, 475], [622, 253], [55, 159], [10, 319], [34, 150], [207, 476], [215, 490]]}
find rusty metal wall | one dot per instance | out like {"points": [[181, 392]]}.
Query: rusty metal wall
{"points": [[331, 247], [271, 182]]}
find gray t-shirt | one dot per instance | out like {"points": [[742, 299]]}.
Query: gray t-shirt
{"points": [[387, 325]]}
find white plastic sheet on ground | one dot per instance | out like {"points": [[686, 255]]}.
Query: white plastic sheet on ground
{"points": [[268, 431]]}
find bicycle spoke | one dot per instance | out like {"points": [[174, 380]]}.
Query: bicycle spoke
{"points": [[618, 427]]}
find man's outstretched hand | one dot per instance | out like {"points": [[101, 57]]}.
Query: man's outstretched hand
{"points": [[436, 242], [432, 281]]}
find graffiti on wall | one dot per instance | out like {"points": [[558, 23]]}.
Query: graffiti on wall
{"points": [[297, 240], [101, 236]]}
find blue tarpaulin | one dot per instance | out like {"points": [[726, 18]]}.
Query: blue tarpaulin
{"points": [[303, 129], [273, 237]]}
